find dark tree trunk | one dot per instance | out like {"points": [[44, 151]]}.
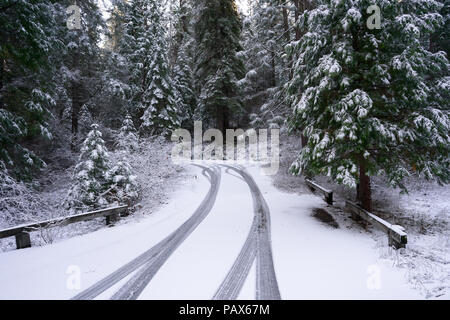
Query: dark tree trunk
{"points": [[76, 107], [364, 192], [1, 81], [286, 25], [76, 103], [273, 75], [222, 120]]}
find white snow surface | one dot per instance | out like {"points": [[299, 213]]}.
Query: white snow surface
{"points": [[312, 260]]}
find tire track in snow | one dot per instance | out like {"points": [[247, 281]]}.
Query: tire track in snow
{"points": [[258, 245], [154, 258]]}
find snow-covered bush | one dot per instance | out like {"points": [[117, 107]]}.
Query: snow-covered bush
{"points": [[91, 181], [124, 189]]}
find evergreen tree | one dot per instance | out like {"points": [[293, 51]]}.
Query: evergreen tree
{"points": [[183, 65], [26, 43], [144, 46], [91, 180], [186, 99], [127, 138], [79, 64], [217, 32], [371, 102], [264, 39], [440, 40]]}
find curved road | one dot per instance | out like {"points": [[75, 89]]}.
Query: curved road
{"points": [[258, 245], [154, 258]]}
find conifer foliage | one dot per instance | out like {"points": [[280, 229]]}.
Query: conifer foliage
{"points": [[92, 177], [127, 139], [217, 33], [371, 102], [144, 46]]}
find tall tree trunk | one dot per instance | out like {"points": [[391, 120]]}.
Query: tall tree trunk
{"points": [[76, 104], [220, 121], [364, 188], [76, 107], [2, 63], [273, 75]]}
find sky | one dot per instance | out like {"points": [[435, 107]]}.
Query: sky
{"points": [[243, 4]]}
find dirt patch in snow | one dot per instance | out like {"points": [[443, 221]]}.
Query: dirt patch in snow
{"points": [[324, 217]]}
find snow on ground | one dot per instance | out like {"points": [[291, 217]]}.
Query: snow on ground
{"points": [[316, 261], [199, 265], [312, 259], [424, 212], [41, 272]]}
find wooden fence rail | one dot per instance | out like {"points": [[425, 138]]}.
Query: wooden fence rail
{"points": [[328, 194], [22, 232], [396, 234]]}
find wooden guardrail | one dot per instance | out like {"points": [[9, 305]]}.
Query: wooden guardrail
{"points": [[328, 194], [22, 232], [396, 234]]}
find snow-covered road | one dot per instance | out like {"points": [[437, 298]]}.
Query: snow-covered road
{"points": [[310, 260]]}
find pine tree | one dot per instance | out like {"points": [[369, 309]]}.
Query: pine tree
{"points": [[371, 102], [183, 64], [127, 138], [78, 64], [186, 99], [26, 43], [91, 180], [144, 46], [264, 40], [440, 40], [217, 30]]}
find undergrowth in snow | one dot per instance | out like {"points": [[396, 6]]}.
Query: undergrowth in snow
{"points": [[156, 175]]}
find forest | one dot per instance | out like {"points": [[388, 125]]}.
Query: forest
{"points": [[363, 84]]}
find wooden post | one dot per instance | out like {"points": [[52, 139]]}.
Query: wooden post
{"points": [[329, 198], [112, 219], [23, 240]]}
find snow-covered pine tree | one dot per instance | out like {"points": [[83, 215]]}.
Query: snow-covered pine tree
{"points": [[160, 115], [79, 62], [440, 40], [186, 99], [371, 102], [91, 180], [27, 40], [183, 65], [127, 139], [265, 35], [217, 30], [124, 189], [144, 46]]}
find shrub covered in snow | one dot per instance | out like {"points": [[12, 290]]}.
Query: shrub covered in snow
{"points": [[124, 189]]}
